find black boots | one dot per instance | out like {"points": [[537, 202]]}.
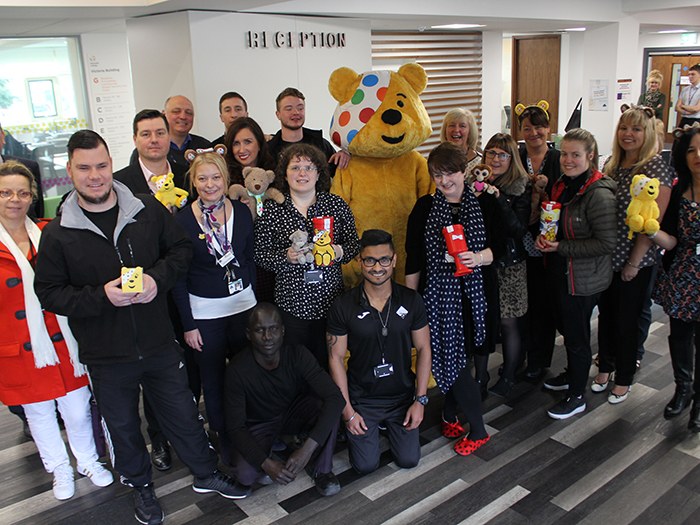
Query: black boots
{"points": [[682, 362], [680, 401], [694, 423]]}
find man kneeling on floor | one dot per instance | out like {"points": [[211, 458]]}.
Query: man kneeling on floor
{"points": [[379, 321], [274, 390]]}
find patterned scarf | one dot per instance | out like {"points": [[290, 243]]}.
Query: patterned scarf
{"points": [[443, 294], [213, 229]]}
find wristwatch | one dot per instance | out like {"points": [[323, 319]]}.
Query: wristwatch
{"points": [[423, 400]]}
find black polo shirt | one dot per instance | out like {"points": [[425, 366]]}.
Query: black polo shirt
{"points": [[352, 315]]}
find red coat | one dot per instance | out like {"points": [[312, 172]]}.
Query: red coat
{"points": [[20, 381]]}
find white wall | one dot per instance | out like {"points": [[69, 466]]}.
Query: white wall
{"points": [[492, 80], [211, 56]]}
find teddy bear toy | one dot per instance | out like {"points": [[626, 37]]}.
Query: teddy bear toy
{"points": [[256, 190], [167, 193], [643, 212], [480, 174], [380, 120], [323, 251], [301, 244]]}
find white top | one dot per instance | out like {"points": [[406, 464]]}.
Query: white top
{"points": [[690, 96]]}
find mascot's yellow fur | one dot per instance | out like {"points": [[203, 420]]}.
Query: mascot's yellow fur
{"points": [[643, 212], [380, 119]]}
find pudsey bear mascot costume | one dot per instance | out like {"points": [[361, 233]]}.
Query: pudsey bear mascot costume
{"points": [[380, 119]]}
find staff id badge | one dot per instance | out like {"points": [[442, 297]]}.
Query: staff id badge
{"points": [[383, 370], [225, 259], [235, 286], [313, 276]]}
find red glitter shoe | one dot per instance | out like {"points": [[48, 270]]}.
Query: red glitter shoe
{"points": [[466, 446], [452, 430]]}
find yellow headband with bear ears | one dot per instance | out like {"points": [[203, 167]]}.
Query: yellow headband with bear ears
{"points": [[679, 132], [646, 110], [542, 104], [192, 154]]}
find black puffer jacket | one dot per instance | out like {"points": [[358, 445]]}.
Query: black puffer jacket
{"points": [[589, 229], [514, 201]]}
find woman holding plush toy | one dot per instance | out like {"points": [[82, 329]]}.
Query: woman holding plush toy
{"points": [[578, 260], [216, 296], [542, 165], [246, 146], [678, 286], [304, 291], [634, 152]]}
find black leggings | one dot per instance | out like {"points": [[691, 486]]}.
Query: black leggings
{"points": [[465, 395]]}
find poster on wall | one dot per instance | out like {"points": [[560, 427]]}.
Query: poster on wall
{"points": [[624, 90], [598, 95], [110, 93]]}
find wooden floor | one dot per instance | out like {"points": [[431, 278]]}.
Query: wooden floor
{"points": [[612, 464]]}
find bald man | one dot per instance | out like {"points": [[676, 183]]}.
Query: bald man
{"points": [[179, 112]]}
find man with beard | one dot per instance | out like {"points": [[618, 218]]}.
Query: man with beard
{"points": [[85, 270], [379, 321], [291, 112]]}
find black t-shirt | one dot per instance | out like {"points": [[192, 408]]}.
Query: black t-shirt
{"points": [[352, 315], [106, 221]]}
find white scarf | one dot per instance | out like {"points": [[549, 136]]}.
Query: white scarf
{"points": [[42, 346]]}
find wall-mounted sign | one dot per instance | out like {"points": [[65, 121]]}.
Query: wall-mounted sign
{"points": [[289, 39]]}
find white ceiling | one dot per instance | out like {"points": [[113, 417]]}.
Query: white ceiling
{"points": [[70, 17]]}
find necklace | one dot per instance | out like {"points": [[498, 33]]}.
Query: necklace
{"points": [[385, 324]]}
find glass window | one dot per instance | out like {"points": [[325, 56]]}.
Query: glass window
{"points": [[42, 102]]}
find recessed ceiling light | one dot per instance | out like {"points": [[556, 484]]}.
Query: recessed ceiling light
{"points": [[574, 29], [457, 26], [669, 31]]}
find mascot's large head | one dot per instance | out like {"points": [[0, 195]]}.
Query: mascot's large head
{"points": [[379, 113]]}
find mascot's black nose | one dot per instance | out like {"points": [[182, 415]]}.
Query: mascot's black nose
{"points": [[391, 117]]}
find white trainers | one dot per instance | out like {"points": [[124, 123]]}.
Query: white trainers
{"points": [[63, 483], [98, 474]]}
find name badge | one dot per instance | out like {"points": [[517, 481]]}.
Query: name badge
{"points": [[383, 370], [235, 286], [313, 276], [225, 259]]}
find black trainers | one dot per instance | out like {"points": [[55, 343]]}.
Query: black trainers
{"points": [[147, 508], [327, 484], [561, 382], [567, 407], [221, 484]]}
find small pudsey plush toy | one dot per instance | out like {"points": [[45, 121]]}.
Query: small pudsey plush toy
{"points": [[191, 154], [324, 254], [300, 242], [167, 193], [256, 190], [480, 174], [643, 212]]}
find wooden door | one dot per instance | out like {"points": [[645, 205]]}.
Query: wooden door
{"points": [[535, 75], [671, 67]]}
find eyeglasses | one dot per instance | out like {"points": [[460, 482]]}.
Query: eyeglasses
{"points": [[302, 169], [368, 262], [23, 195], [491, 154]]}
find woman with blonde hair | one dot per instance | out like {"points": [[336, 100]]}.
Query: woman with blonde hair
{"points": [[653, 98], [634, 152], [459, 127], [216, 296]]}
